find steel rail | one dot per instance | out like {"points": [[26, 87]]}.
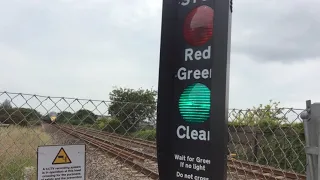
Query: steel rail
{"points": [[146, 143], [123, 155], [117, 145]]}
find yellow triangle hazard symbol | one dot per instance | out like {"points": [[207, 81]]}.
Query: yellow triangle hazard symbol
{"points": [[61, 158]]}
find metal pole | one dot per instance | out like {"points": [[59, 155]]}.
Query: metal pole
{"points": [[304, 115], [311, 118]]}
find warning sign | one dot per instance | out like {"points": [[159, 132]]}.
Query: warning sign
{"points": [[61, 162], [61, 158]]}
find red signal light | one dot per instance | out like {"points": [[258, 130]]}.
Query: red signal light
{"points": [[198, 25]]}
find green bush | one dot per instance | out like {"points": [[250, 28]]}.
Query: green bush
{"points": [[19, 116], [64, 117], [115, 126], [85, 116], [280, 146], [280, 143], [81, 117], [13, 117], [111, 125], [100, 123], [74, 122], [146, 134]]}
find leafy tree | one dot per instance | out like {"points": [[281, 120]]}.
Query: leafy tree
{"points": [[12, 116], [64, 117], [110, 124], [131, 106], [6, 104], [29, 114], [85, 116], [21, 116]]}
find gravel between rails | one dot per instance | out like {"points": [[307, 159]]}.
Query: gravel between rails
{"points": [[99, 165]]}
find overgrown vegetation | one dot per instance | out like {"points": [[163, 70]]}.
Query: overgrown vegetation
{"points": [[279, 141], [111, 125], [18, 150]]}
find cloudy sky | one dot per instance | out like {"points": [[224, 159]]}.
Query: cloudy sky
{"points": [[82, 48]]}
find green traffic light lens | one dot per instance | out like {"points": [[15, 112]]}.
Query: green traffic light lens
{"points": [[194, 103]]}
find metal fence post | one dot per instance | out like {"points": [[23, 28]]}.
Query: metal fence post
{"points": [[311, 123]]}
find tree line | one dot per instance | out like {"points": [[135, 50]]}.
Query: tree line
{"points": [[128, 107]]}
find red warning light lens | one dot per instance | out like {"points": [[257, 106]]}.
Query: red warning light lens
{"points": [[198, 26]]}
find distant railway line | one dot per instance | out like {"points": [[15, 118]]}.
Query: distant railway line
{"points": [[141, 155]]}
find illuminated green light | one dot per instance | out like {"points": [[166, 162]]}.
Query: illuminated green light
{"points": [[194, 103]]}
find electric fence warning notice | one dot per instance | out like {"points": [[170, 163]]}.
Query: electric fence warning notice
{"points": [[61, 162]]}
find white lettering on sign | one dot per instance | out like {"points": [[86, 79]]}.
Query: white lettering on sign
{"points": [[187, 2], [197, 55], [203, 161], [184, 132], [187, 162], [184, 74]]}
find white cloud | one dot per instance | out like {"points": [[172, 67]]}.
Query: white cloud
{"points": [[84, 48], [253, 82]]}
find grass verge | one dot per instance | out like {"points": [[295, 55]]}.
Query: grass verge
{"points": [[18, 149]]}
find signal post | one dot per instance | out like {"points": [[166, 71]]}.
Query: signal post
{"points": [[193, 89]]}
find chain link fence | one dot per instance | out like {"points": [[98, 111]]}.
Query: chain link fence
{"points": [[118, 134], [269, 136]]}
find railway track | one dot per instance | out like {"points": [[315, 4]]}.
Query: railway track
{"points": [[144, 158], [132, 158], [145, 143]]}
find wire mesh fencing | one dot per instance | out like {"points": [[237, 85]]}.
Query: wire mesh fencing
{"points": [[269, 136], [120, 137]]}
